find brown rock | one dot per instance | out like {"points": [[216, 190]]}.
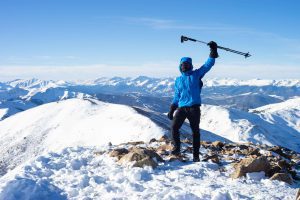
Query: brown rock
{"points": [[141, 157], [164, 138], [118, 153], [279, 151], [283, 164], [147, 161], [273, 170], [163, 149], [136, 143], [180, 158], [285, 177], [187, 141], [214, 158], [218, 144], [254, 152], [243, 147], [251, 164], [298, 195]]}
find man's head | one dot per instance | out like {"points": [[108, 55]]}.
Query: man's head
{"points": [[186, 64]]}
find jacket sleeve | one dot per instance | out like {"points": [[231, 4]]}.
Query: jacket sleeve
{"points": [[205, 68], [176, 95]]}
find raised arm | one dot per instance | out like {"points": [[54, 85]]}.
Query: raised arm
{"points": [[210, 61], [206, 67]]}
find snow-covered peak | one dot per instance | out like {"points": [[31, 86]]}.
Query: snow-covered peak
{"points": [[69, 123], [252, 82], [240, 126], [291, 104], [35, 83], [284, 113]]}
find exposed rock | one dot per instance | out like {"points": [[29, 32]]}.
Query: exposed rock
{"points": [[285, 177], [147, 161], [243, 147], [153, 140], [187, 141], [214, 158], [181, 158], [163, 149], [254, 151], [273, 170], [141, 157], [136, 143], [118, 153], [284, 165], [251, 164], [218, 144], [298, 195], [164, 138], [279, 150]]}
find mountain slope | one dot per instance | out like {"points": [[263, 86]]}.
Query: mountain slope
{"points": [[74, 122], [239, 126], [286, 113]]}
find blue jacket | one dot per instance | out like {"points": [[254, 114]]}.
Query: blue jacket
{"points": [[188, 86]]}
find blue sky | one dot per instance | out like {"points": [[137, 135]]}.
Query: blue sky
{"points": [[76, 39]]}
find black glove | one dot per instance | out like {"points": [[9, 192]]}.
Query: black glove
{"points": [[213, 49], [173, 107]]}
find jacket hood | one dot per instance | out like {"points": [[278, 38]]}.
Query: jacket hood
{"points": [[186, 59]]}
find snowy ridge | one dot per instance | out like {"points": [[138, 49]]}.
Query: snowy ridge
{"points": [[284, 113], [69, 123], [239, 126]]}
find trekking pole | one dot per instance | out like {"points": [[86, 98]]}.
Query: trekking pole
{"points": [[184, 38]]}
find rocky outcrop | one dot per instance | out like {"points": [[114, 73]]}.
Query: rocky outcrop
{"points": [[138, 157], [251, 164], [277, 162], [285, 177]]}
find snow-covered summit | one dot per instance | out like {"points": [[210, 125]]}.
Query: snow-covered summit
{"points": [[284, 113], [73, 122]]}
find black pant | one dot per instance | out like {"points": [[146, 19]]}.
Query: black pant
{"points": [[193, 115]]}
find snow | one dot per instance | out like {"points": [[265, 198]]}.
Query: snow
{"points": [[48, 152], [239, 126], [77, 173], [73, 122], [287, 112]]}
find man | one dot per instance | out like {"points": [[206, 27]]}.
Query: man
{"points": [[187, 99]]}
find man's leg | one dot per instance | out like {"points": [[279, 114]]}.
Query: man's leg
{"points": [[194, 119], [178, 120]]}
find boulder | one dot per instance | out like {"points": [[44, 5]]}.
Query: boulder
{"points": [[118, 153], [285, 177], [218, 144], [163, 149], [251, 164], [141, 157]]}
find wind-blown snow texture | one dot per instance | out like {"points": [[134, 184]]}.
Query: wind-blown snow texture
{"points": [[50, 130], [82, 175]]}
